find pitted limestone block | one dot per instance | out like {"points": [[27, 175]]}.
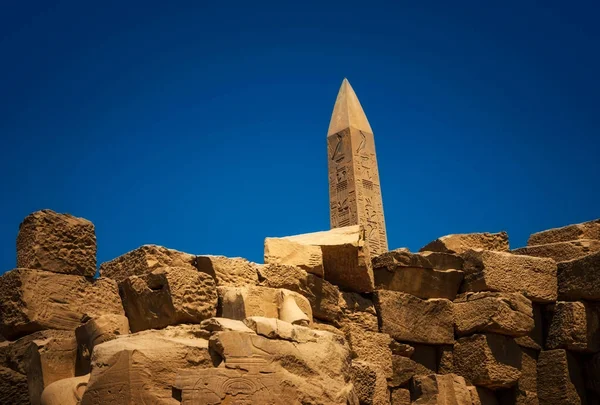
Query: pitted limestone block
{"points": [[535, 338], [403, 257], [504, 313], [13, 387], [559, 379], [524, 392], [346, 258], [578, 279], [323, 296], [561, 251], [574, 326], [228, 271], [585, 230], [435, 389], [96, 331], [420, 282], [401, 396], [141, 368], [488, 360], [144, 260], [243, 302], [33, 300], [359, 311], [60, 243], [287, 252], [487, 270], [460, 243], [408, 318], [371, 347], [370, 384], [168, 296], [68, 391], [224, 324]]}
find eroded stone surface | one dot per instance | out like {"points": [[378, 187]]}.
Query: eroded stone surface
{"points": [[60, 243], [435, 389], [168, 296], [33, 300], [460, 243], [428, 260], [228, 271], [370, 384], [372, 347], [13, 387], [578, 279], [401, 396], [408, 318], [96, 331], [287, 252], [358, 310], [585, 230], [487, 270], [504, 313], [561, 251], [559, 379], [574, 326]]}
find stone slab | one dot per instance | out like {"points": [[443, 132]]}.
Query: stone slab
{"points": [[584, 230], [460, 243], [420, 282], [578, 279], [561, 251], [428, 260], [287, 252], [574, 326], [559, 379], [228, 271], [436, 389]]}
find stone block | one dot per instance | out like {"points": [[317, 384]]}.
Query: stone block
{"points": [[460, 243], [358, 310], [401, 396], [229, 271], [504, 313], [574, 326], [369, 384], [428, 260], [435, 389], [94, 332], [408, 318], [488, 360], [371, 347], [524, 392], [487, 270], [323, 296], [578, 279], [287, 252], [561, 251], [243, 302], [346, 258], [445, 359], [60, 243], [585, 230], [535, 338], [224, 324], [559, 379], [482, 396], [13, 387], [168, 296], [33, 300]]}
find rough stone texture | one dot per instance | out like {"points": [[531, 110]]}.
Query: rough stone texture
{"points": [[68, 391], [228, 271], [408, 318], [488, 360], [428, 260], [535, 338], [401, 349], [561, 251], [487, 270], [460, 243], [524, 392], [585, 230], [243, 302], [504, 313], [96, 331], [224, 324], [358, 310], [371, 347], [403, 369], [369, 384], [435, 389], [60, 243], [401, 396], [483, 396], [13, 387], [578, 279], [323, 296], [141, 368], [346, 259], [144, 260], [168, 296], [574, 326], [445, 359], [354, 190], [47, 361], [32, 300], [287, 252], [559, 379]]}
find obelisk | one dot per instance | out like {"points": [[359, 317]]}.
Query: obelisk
{"points": [[354, 190]]}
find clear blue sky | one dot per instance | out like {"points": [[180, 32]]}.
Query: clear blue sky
{"points": [[202, 126]]}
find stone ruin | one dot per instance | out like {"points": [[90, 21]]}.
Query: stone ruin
{"points": [[464, 321]]}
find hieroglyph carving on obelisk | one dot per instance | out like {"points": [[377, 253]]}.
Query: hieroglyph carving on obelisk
{"points": [[354, 190]]}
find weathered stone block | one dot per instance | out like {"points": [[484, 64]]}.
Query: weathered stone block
{"points": [[243, 302], [323, 296], [33, 300], [287, 252], [535, 338], [487, 270], [460, 243], [371, 347], [488, 360], [144, 260], [524, 392], [428, 260], [559, 379], [346, 258], [168, 296], [224, 324], [504, 313], [370, 384], [561, 251], [585, 230], [60, 243], [96, 331], [408, 318], [578, 279], [358, 310], [229, 271], [401, 396], [13, 387], [435, 389], [574, 326], [482, 396]]}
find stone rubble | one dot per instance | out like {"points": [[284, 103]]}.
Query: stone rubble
{"points": [[463, 322]]}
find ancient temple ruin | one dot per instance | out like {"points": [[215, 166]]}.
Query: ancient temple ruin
{"points": [[328, 318]]}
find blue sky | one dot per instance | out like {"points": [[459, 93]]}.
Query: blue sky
{"points": [[203, 127]]}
